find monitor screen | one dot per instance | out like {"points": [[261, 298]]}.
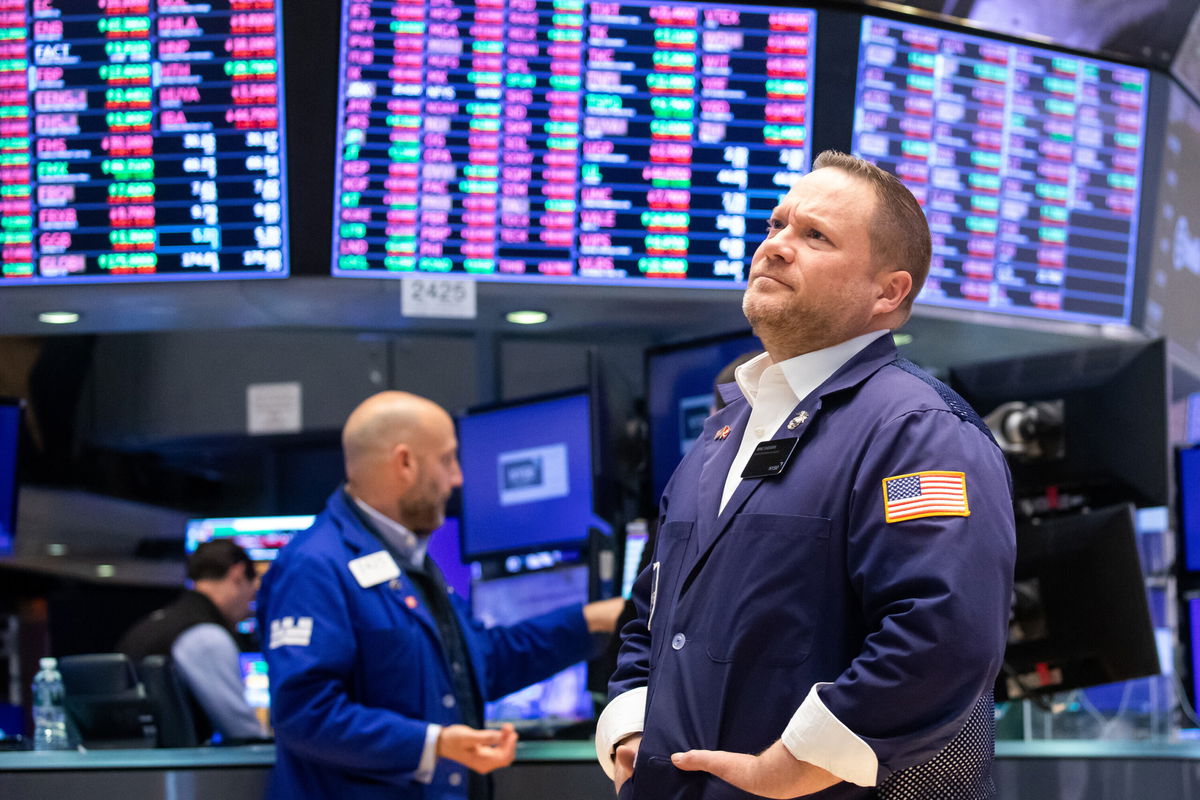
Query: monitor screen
{"points": [[566, 141], [1187, 488], [529, 468], [10, 436], [636, 538], [254, 679], [445, 548], [562, 699], [1175, 254], [1028, 163], [1054, 416], [141, 141], [260, 537], [679, 397], [1080, 615]]}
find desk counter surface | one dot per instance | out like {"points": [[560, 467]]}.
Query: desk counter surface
{"points": [[527, 752]]}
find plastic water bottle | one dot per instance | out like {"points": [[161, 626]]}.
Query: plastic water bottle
{"points": [[49, 713]]}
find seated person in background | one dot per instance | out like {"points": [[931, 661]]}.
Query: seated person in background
{"points": [[197, 632]]}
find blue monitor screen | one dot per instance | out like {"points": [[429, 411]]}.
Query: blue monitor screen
{"points": [[445, 549], [260, 537], [563, 698], [10, 428], [1028, 163], [1188, 477], [527, 476], [679, 397]]}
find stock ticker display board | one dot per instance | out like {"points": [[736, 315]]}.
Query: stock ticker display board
{"points": [[141, 140], [1028, 163], [564, 140]]}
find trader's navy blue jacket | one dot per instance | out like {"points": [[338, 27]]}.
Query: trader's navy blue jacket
{"points": [[357, 673], [801, 580]]}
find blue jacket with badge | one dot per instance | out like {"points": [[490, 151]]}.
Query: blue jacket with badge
{"points": [[803, 580], [358, 673]]}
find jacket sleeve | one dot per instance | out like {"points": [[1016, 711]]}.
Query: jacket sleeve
{"points": [[935, 592], [311, 650], [532, 650], [633, 660]]}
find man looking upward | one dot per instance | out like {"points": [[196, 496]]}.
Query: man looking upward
{"points": [[827, 605]]}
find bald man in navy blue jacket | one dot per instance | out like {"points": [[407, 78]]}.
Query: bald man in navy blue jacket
{"points": [[826, 609]]}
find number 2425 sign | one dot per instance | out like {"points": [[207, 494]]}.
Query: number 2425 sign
{"points": [[432, 297]]}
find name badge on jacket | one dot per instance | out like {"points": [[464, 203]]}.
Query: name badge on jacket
{"points": [[374, 569], [770, 459]]}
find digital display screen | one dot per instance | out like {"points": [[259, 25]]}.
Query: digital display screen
{"points": [[563, 698], [10, 431], [1175, 256], [530, 476], [1028, 163], [566, 140], [1188, 477], [260, 537], [141, 140], [680, 397]]}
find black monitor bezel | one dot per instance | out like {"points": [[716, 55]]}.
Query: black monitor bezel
{"points": [[1104, 540]]}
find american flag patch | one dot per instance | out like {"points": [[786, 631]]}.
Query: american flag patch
{"points": [[925, 494]]}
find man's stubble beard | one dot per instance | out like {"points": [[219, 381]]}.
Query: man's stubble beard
{"points": [[790, 329]]}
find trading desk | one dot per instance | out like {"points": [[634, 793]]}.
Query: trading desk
{"points": [[1044, 770]]}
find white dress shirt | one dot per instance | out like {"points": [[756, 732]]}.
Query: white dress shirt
{"points": [[813, 735]]}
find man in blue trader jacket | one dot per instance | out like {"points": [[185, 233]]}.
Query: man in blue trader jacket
{"points": [[827, 606], [378, 674]]}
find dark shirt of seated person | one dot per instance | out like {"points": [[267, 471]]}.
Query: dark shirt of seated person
{"points": [[197, 631]]}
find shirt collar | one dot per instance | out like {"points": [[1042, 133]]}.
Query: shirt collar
{"points": [[403, 541], [804, 372]]}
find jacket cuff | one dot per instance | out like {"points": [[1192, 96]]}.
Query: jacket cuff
{"points": [[816, 736], [625, 715], [424, 773]]}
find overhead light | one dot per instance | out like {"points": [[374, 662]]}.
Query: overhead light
{"points": [[56, 549], [105, 570], [527, 317], [58, 317], [902, 338]]}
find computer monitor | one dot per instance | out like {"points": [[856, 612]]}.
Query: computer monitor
{"points": [[562, 699], [636, 538], [1028, 162], [10, 437], [260, 537], [634, 143], [256, 686], [445, 549], [142, 142], [1187, 498], [679, 396], [530, 484], [1080, 613], [1080, 427]]}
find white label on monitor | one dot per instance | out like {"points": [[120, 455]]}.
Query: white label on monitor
{"points": [[273, 408], [437, 297], [538, 473]]}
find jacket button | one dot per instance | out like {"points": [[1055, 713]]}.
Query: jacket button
{"points": [[448, 700], [678, 641], [456, 779]]}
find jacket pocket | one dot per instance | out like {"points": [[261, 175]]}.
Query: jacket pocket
{"points": [[765, 589]]}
